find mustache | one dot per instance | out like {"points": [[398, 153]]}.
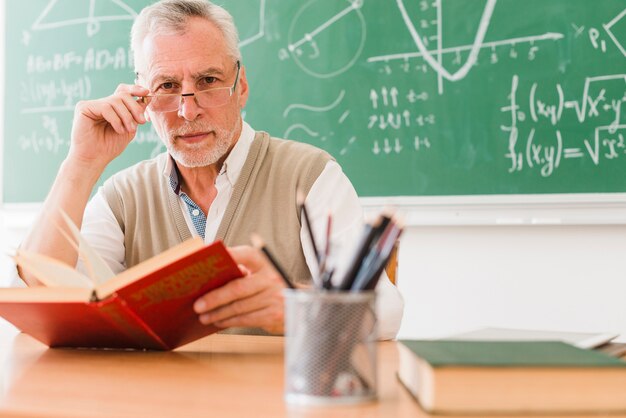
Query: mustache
{"points": [[190, 127]]}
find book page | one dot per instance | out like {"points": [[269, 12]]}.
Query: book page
{"points": [[51, 272], [98, 270]]}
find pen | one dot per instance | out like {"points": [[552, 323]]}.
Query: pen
{"points": [[368, 237], [377, 260]]}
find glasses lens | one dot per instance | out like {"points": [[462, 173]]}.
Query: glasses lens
{"points": [[164, 103], [213, 97]]}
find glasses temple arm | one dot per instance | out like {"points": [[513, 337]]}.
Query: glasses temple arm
{"points": [[237, 78]]}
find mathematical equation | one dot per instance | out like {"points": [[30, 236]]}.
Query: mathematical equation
{"points": [[51, 141], [53, 83], [91, 60], [597, 112], [40, 96]]}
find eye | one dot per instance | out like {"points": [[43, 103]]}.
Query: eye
{"points": [[167, 87], [207, 82]]}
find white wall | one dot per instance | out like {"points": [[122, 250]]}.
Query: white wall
{"points": [[14, 223], [569, 278]]}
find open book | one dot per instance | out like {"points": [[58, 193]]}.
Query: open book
{"points": [[149, 306]]}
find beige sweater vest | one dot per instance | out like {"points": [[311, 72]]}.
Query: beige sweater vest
{"points": [[263, 201]]}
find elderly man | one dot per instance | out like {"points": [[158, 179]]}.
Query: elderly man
{"points": [[219, 178]]}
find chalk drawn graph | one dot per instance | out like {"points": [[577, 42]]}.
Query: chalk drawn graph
{"points": [[124, 12], [92, 21], [474, 49], [314, 60], [261, 33], [608, 27]]}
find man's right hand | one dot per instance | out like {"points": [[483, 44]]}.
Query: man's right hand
{"points": [[103, 128]]}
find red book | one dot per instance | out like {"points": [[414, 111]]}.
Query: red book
{"points": [[149, 306]]}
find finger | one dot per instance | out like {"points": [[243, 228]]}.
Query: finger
{"points": [[240, 307], [111, 117], [230, 292], [124, 114], [267, 318], [135, 107], [132, 89], [129, 93], [248, 256], [244, 270]]}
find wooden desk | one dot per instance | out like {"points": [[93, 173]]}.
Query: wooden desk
{"points": [[219, 376]]}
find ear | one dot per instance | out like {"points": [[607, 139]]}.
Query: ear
{"points": [[242, 88]]}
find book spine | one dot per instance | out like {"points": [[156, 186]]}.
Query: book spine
{"points": [[114, 309]]}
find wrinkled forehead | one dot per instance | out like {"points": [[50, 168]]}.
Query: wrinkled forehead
{"points": [[201, 45]]}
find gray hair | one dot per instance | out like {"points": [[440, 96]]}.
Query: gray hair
{"points": [[171, 16]]}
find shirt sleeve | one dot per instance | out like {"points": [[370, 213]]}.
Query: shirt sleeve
{"points": [[103, 234], [332, 193]]}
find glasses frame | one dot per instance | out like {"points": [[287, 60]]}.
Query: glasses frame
{"points": [[230, 89]]}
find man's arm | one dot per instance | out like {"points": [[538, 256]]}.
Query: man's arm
{"points": [[257, 301], [101, 131], [103, 233]]}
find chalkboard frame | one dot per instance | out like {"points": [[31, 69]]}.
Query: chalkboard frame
{"points": [[506, 210]]}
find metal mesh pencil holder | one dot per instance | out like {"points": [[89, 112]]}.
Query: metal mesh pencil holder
{"points": [[330, 352]]}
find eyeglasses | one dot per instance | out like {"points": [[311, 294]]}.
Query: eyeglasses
{"points": [[212, 97]]}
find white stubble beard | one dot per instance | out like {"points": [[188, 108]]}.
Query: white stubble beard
{"points": [[201, 154]]}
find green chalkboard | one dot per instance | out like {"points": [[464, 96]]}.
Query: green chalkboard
{"points": [[413, 97]]}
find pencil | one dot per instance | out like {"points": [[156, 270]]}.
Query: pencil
{"points": [[258, 243], [373, 267]]}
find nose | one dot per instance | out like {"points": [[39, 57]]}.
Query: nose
{"points": [[188, 108]]}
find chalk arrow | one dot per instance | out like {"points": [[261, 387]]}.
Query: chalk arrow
{"points": [[407, 117], [376, 149], [387, 146], [394, 96], [397, 147], [374, 98]]}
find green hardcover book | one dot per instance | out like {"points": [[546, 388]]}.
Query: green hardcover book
{"points": [[489, 377]]}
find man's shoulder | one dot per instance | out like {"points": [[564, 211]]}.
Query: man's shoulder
{"points": [[293, 161], [290, 148]]}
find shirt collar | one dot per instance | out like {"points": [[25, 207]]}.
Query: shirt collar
{"points": [[236, 159], [232, 165]]}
